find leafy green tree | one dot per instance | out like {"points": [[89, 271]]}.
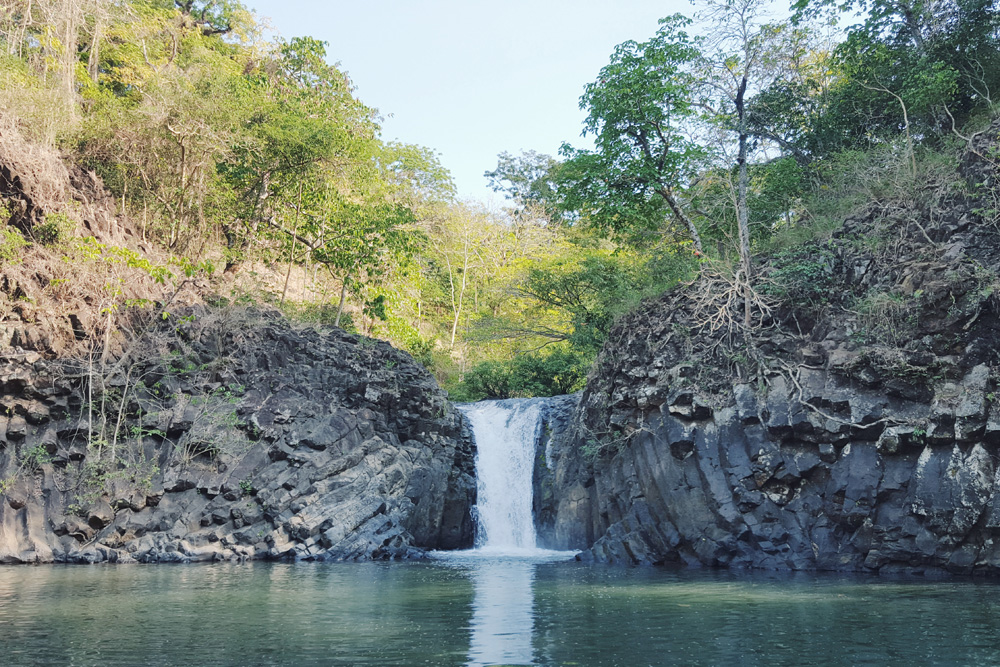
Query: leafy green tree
{"points": [[213, 17], [415, 176], [574, 294], [305, 120], [907, 66], [357, 241], [168, 104], [773, 193], [639, 110], [791, 112], [559, 371], [743, 54]]}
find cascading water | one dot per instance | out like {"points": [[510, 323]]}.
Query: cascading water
{"points": [[506, 433], [503, 564]]}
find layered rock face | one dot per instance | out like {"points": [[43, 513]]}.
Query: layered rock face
{"points": [[230, 434], [857, 427], [765, 482]]}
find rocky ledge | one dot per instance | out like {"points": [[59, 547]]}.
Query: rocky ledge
{"points": [[229, 434]]}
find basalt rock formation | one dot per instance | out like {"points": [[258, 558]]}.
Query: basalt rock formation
{"points": [[230, 434], [856, 427], [138, 423]]}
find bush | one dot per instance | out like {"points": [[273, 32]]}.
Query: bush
{"points": [[801, 276], [421, 350], [11, 244], [561, 371], [57, 227]]}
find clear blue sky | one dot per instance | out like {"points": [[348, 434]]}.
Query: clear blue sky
{"points": [[472, 78]]}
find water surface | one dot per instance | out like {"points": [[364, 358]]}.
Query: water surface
{"points": [[494, 610]]}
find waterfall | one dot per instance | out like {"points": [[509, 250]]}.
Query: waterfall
{"points": [[505, 433], [502, 567]]}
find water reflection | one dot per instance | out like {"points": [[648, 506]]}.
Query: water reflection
{"points": [[502, 627], [485, 610], [503, 613]]}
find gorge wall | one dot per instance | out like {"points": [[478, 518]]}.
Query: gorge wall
{"points": [[856, 427], [237, 436]]}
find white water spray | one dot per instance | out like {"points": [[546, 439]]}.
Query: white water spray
{"points": [[506, 433]]}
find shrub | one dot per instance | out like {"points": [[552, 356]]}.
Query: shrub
{"points": [[801, 276], [57, 227], [421, 349], [11, 244]]}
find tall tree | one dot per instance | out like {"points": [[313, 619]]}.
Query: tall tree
{"points": [[743, 54], [529, 180], [306, 120], [909, 66], [640, 109]]}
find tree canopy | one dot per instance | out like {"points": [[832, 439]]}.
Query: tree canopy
{"points": [[715, 138]]}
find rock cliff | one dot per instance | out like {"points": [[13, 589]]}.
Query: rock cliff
{"points": [[226, 433], [856, 427]]}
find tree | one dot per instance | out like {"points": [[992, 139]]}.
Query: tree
{"points": [[529, 180], [457, 236], [415, 176], [909, 66], [742, 56], [306, 121], [357, 240], [214, 17], [640, 109], [167, 106], [792, 113]]}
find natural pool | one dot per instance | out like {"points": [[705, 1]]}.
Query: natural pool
{"points": [[483, 611]]}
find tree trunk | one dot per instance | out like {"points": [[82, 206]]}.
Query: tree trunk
{"points": [[94, 57], [742, 210], [291, 253], [69, 56], [343, 298], [675, 207], [461, 293]]}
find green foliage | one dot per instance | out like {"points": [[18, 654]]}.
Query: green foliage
{"points": [[261, 156], [35, 457], [96, 478], [560, 371], [12, 243], [774, 192], [590, 288], [801, 276], [903, 65], [57, 227], [529, 179], [637, 110], [421, 350]]}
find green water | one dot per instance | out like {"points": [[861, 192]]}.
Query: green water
{"points": [[483, 612]]}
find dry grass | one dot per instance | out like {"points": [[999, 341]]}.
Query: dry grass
{"points": [[35, 174]]}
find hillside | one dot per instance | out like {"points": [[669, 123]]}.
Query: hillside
{"points": [[141, 423]]}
